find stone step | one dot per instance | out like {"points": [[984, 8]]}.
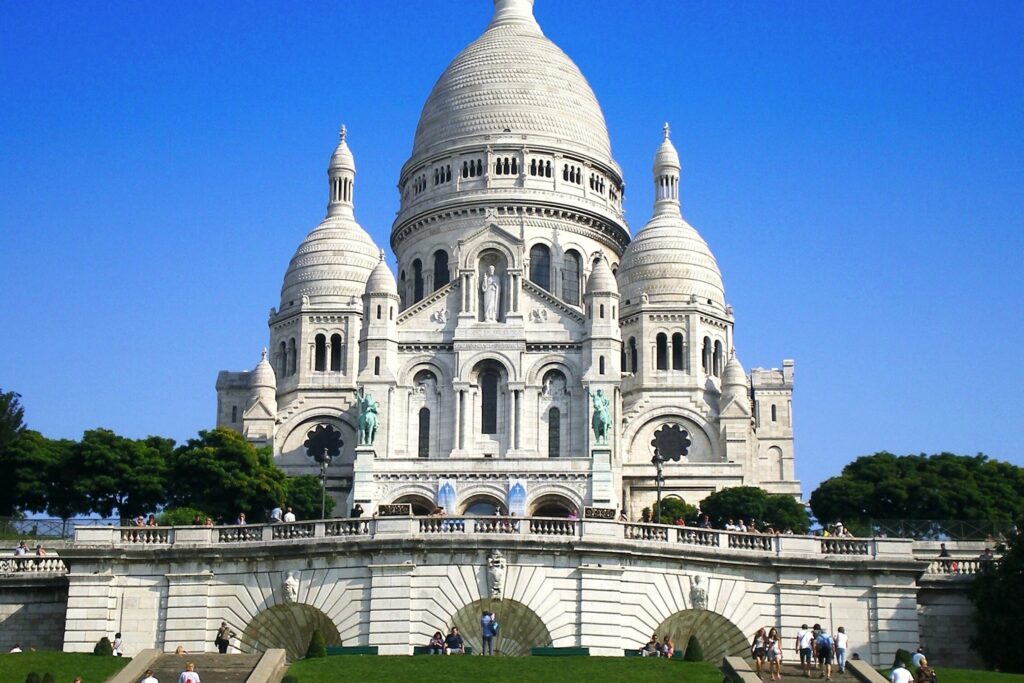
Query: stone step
{"points": [[212, 668]]}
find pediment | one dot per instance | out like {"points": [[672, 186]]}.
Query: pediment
{"points": [[538, 299], [490, 236], [258, 411]]}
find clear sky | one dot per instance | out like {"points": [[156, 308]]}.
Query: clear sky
{"points": [[857, 168]]}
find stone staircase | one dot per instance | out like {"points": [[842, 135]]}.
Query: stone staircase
{"points": [[212, 668]]}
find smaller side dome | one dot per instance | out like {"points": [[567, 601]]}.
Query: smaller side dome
{"points": [[263, 375], [381, 280], [734, 376], [601, 280]]}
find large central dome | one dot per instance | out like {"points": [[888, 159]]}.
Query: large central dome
{"points": [[513, 80]]}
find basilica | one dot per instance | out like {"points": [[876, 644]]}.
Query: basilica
{"points": [[528, 354]]}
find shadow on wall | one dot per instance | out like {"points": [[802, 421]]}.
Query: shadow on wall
{"points": [[718, 636], [519, 627], [288, 627], [33, 620]]}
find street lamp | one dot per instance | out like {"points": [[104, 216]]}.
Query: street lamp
{"points": [[324, 462], [659, 479], [671, 442]]}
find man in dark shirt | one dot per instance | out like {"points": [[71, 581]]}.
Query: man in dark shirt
{"points": [[453, 644]]}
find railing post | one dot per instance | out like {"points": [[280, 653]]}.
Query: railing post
{"points": [[268, 532]]}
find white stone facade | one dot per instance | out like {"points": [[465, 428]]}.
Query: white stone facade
{"points": [[519, 293]]}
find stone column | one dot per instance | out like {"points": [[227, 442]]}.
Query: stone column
{"points": [[390, 608], [186, 623]]}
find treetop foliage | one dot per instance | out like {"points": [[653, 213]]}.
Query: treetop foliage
{"points": [[778, 510], [942, 486], [998, 596], [12, 418]]}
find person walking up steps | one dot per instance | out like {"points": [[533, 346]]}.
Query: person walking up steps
{"points": [[804, 641], [189, 675]]}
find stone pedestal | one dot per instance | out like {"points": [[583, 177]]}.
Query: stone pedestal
{"points": [[602, 489], [363, 488]]}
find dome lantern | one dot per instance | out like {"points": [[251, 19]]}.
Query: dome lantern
{"points": [[666, 175], [342, 175]]}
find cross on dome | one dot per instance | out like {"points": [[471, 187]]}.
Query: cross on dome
{"points": [[343, 131], [665, 129]]}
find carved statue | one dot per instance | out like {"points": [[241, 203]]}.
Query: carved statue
{"points": [[496, 565], [291, 588], [698, 593], [367, 417], [492, 291], [602, 415], [305, 300], [554, 386]]}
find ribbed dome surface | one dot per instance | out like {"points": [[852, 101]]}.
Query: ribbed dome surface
{"points": [[601, 279], [263, 374], [513, 78], [670, 261], [331, 265], [381, 280]]}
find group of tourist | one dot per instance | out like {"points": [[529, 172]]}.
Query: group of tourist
{"points": [[189, 675], [455, 644], [816, 648], [655, 648], [925, 673]]}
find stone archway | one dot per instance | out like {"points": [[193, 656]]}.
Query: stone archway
{"points": [[288, 627], [519, 627], [718, 636]]}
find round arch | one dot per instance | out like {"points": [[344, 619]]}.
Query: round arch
{"points": [[289, 627], [421, 505], [535, 374], [718, 636], [470, 368], [519, 628], [552, 505], [471, 257], [482, 505]]}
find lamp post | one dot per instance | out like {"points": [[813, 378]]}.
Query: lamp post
{"points": [[659, 479], [324, 462]]}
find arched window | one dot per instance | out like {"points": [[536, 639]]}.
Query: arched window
{"points": [[540, 266], [600, 365], [282, 359], [554, 432], [479, 167], [775, 415], [718, 359], [601, 311], [417, 280], [489, 401], [378, 311], [677, 351], [706, 356], [465, 169], [570, 278], [662, 351], [335, 353], [423, 448], [292, 356], [320, 353], [632, 354], [441, 275], [376, 365], [622, 357]]}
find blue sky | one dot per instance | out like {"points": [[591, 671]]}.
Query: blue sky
{"points": [[857, 168]]}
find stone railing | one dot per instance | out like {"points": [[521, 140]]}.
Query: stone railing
{"points": [[32, 565], [596, 530], [953, 566]]}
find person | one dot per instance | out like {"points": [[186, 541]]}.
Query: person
{"points": [[180, 650], [436, 646], [453, 643], [823, 646], [918, 658], [275, 514], [208, 522], [241, 519], [15, 650], [289, 516], [151, 521], [573, 515], [646, 517], [189, 675], [357, 510], [774, 654], [900, 674], [949, 565], [140, 521], [759, 650], [149, 677], [925, 674], [39, 550], [804, 639], [668, 648], [650, 649], [987, 556], [841, 640], [21, 550], [117, 648], [741, 527], [488, 629], [223, 639], [729, 526], [705, 522]]}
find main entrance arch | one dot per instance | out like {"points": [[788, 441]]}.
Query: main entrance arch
{"points": [[718, 636], [519, 627], [288, 627]]}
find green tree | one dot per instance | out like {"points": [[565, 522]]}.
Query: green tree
{"points": [[111, 472], [998, 595], [12, 418], [304, 495], [27, 464], [921, 487], [317, 645], [694, 651], [224, 474], [674, 509], [750, 502]]}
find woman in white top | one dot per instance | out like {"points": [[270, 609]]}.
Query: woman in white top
{"points": [[841, 641], [189, 675]]}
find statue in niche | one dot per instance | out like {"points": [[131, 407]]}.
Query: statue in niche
{"points": [[602, 415], [491, 291], [426, 385], [496, 565], [291, 588], [698, 593], [554, 385], [367, 417], [305, 300], [440, 316]]}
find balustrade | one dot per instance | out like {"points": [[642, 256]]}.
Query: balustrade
{"points": [[552, 527], [442, 525], [496, 525], [145, 535], [953, 566], [845, 546], [702, 537], [290, 530], [646, 532], [347, 527], [759, 542], [239, 534], [33, 565]]}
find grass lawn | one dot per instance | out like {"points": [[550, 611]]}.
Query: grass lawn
{"points": [[64, 666], [969, 676], [425, 669]]}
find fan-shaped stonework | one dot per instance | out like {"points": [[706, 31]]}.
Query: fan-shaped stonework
{"points": [[288, 627], [519, 627], [718, 636]]}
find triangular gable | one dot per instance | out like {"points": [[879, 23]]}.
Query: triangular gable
{"points": [[546, 298], [258, 411]]}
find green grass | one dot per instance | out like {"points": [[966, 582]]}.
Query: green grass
{"points": [[439, 669], [969, 676], [63, 665]]}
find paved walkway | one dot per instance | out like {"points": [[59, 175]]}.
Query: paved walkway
{"points": [[212, 668], [792, 673]]}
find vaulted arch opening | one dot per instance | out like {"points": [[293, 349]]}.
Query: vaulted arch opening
{"points": [[287, 626], [421, 505], [521, 629], [552, 505], [718, 636], [483, 505]]}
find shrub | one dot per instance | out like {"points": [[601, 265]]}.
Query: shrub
{"points": [[289, 679], [179, 516], [694, 652], [103, 647], [32, 677], [317, 646], [48, 678]]}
